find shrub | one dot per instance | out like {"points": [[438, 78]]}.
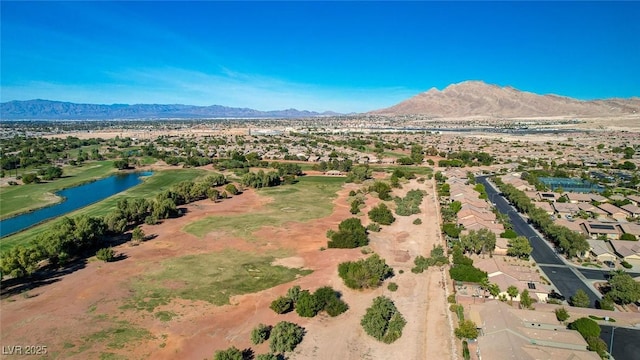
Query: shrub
{"points": [[366, 273], [285, 336], [307, 304], [605, 304], [350, 234], [410, 204], [598, 345], [466, 355], [466, 330], [375, 227], [629, 237], [231, 189], [106, 254], [626, 265], [383, 189], [562, 314], [260, 334], [335, 307], [586, 327], [281, 305], [467, 273], [267, 357], [381, 214], [417, 221], [509, 234], [580, 299], [231, 353], [383, 321], [392, 286], [294, 293], [30, 178]]}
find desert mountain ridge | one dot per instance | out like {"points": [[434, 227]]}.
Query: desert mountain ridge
{"points": [[476, 98], [58, 110]]}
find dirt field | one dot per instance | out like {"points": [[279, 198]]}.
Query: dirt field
{"points": [[81, 315]]}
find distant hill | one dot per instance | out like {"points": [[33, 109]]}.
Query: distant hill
{"points": [[57, 110], [476, 98]]}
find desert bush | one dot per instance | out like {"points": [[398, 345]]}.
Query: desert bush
{"points": [[106, 254], [260, 334], [381, 214], [366, 273], [586, 327], [285, 336], [281, 305], [350, 234], [417, 221], [307, 304], [383, 321], [392, 286], [231, 353], [562, 314]]}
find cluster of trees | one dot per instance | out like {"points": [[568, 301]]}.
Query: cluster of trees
{"points": [[77, 236], [463, 269], [519, 247], [623, 289], [383, 321], [334, 164], [359, 173], [381, 214], [284, 337], [351, 234], [23, 152], [590, 331], [416, 157], [477, 242], [365, 273], [307, 304], [437, 258], [358, 200], [571, 243], [451, 229], [466, 329], [382, 189], [410, 204], [261, 179]]}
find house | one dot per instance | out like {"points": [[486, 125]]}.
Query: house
{"points": [[602, 250], [565, 209], [597, 229], [635, 199], [593, 210], [509, 333], [572, 225], [615, 212], [630, 228], [578, 197], [629, 251], [548, 196], [633, 210], [544, 206]]}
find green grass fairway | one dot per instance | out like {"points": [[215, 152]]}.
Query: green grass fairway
{"points": [[22, 198], [210, 277], [159, 181], [309, 199], [418, 170]]}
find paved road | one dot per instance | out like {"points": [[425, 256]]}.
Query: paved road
{"points": [[626, 342], [566, 279]]}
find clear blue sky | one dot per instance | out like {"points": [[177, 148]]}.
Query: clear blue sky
{"points": [[341, 56]]}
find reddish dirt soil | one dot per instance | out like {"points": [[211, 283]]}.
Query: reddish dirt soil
{"points": [[76, 305]]}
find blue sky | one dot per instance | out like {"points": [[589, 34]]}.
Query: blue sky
{"points": [[341, 56]]}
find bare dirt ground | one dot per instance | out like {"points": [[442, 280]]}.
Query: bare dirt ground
{"points": [[88, 300]]}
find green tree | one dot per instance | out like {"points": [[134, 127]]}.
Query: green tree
{"points": [[562, 314], [307, 304], [365, 273], [381, 214], [525, 299], [623, 288], [479, 241], [586, 327], [285, 336], [580, 299], [231, 353], [467, 329], [494, 290], [512, 291], [350, 234], [281, 305], [137, 234], [260, 334], [519, 247], [106, 254], [383, 321]]}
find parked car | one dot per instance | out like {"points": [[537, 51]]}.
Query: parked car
{"points": [[554, 295]]}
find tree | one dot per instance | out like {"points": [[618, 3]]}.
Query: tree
{"points": [[285, 336], [231, 353], [281, 305], [350, 234], [382, 188], [307, 304], [381, 214], [30, 178], [267, 357], [525, 299], [580, 299], [467, 329], [512, 291], [519, 247], [106, 254], [365, 273], [383, 321], [479, 241], [329, 300], [294, 293], [624, 289], [562, 314], [137, 234], [494, 290], [231, 189], [260, 334], [121, 164], [586, 327]]}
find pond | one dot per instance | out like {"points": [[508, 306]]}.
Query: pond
{"points": [[73, 199]]}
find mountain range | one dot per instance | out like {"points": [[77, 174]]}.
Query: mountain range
{"points": [[469, 98], [57, 110], [476, 98]]}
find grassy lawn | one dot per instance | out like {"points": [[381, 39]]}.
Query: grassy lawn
{"points": [[210, 277], [418, 170], [22, 198], [309, 199], [159, 181]]}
